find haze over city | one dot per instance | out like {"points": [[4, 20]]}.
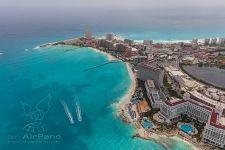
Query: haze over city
{"points": [[116, 15]]}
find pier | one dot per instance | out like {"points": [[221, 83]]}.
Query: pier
{"points": [[110, 62]]}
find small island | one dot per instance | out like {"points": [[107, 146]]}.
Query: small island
{"points": [[164, 100]]}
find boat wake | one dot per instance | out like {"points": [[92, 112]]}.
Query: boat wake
{"points": [[67, 111], [78, 110]]}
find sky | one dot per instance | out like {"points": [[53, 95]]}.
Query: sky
{"points": [[113, 14]]}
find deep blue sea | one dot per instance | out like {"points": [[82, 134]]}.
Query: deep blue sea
{"points": [[34, 82]]}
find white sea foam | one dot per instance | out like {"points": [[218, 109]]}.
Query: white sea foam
{"points": [[37, 47]]}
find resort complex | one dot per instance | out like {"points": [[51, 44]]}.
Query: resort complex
{"points": [[167, 100]]}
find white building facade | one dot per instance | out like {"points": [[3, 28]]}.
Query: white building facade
{"points": [[214, 131], [152, 93]]}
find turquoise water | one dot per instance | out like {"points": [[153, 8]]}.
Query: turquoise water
{"points": [[175, 35], [186, 128], [29, 76]]}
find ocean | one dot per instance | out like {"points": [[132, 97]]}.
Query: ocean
{"points": [[170, 36], [36, 81]]}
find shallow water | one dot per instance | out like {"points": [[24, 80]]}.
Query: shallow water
{"points": [[28, 77]]}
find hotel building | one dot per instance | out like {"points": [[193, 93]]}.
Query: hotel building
{"points": [[213, 41], [105, 44], [214, 131], [109, 36], [194, 41], [128, 42], [150, 71], [147, 42], [198, 109], [206, 42], [221, 41], [152, 93], [121, 47], [88, 35]]}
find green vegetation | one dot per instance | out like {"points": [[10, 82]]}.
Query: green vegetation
{"points": [[185, 118], [150, 113], [169, 88], [167, 127], [200, 127]]}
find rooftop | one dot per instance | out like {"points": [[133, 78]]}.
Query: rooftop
{"points": [[200, 104], [143, 106], [174, 102], [204, 99], [150, 83], [174, 71], [149, 66], [216, 120]]}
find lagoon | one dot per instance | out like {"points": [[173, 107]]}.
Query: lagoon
{"points": [[211, 75]]}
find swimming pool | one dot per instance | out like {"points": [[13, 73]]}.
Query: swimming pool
{"points": [[147, 124], [187, 128]]}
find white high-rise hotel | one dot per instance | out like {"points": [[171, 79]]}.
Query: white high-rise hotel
{"points": [[213, 116]]}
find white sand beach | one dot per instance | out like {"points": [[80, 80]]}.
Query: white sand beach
{"points": [[187, 142], [110, 57], [127, 97], [126, 100]]}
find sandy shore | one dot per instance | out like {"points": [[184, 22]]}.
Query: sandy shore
{"points": [[120, 106], [127, 97], [188, 143], [110, 57], [126, 100], [160, 138]]}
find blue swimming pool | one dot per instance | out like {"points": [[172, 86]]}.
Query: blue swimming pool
{"points": [[187, 128], [147, 124]]}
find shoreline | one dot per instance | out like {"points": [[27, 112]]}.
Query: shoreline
{"points": [[122, 102], [177, 138], [109, 57], [125, 99]]}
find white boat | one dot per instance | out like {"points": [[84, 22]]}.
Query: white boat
{"points": [[78, 111], [68, 113]]}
